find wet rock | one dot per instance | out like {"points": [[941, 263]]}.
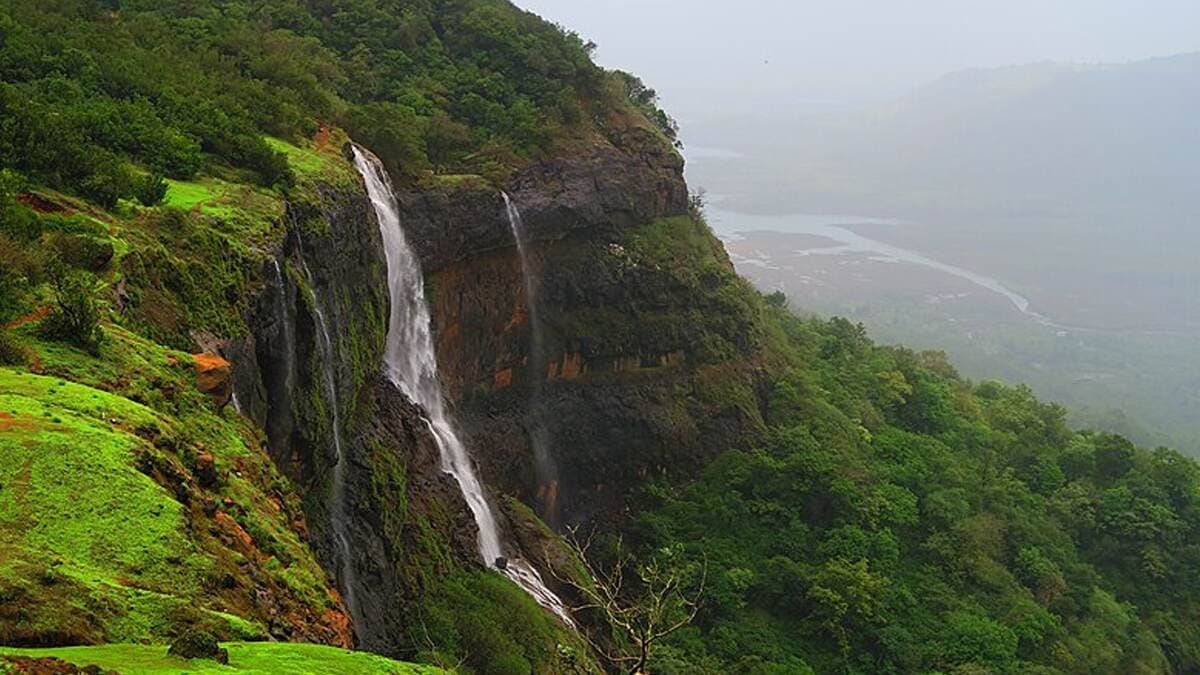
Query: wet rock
{"points": [[609, 186]]}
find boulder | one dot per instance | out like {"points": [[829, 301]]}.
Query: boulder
{"points": [[214, 376]]}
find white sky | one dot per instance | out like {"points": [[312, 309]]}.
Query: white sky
{"points": [[712, 58]]}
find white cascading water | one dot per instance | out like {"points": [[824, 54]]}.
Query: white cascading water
{"points": [[289, 340], [411, 365], [337, 497], [544, 464]]}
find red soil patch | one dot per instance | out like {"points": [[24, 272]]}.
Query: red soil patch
{"points": [[339, 622], [232, 532], [322, 138], [10, 423], [41, 204], [519, 317], [206, 362], [36, 315], [502, 378]]}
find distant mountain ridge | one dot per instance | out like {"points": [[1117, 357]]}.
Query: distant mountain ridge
{"points": [[1051, 138]]}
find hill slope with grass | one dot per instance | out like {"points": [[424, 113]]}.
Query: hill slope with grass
{"points": [[244, 657]]}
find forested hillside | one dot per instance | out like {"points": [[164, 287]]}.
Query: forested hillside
{"points": [[197, 441], [896, 518]]}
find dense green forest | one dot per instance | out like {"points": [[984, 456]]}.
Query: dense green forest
{"points": [[100, 96], [888, 516], [896, 518]]}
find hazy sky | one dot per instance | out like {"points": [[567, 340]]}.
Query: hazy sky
{"points": [[709, 57]]}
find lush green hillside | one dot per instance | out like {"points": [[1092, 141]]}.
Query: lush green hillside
{"points": [[99, 98], [900, 519], [172, 175]]}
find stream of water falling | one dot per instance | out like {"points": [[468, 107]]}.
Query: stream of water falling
{"points": [[337, 497], [539, 434], [289, 340], [411, 365]]}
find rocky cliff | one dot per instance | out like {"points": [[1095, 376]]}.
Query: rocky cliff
{"points": [[411, 552], [648, 364], [649, 336]]}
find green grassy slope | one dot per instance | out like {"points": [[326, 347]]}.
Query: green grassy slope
{"points": [[244, 657], [108, 532]]}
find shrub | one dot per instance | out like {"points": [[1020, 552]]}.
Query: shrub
{"points": [[150, 190], [12, 352], [80, 250], [20, 270], [76, 318], [108, 182], [776, 299], [198, 644]]}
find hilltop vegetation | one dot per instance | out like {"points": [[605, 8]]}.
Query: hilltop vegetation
{"points": [[104, 98]]}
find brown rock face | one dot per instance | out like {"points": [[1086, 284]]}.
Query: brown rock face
{"points": [[621, 390], [214, 376], [601, 187]]}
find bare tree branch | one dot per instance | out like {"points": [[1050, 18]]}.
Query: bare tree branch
{"points": [[653, 606]]}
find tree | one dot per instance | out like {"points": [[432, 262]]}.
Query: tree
{"points": [[76, 318], [643, 602]]}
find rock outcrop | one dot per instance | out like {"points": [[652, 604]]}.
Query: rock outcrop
{"points": [[632, 384]]}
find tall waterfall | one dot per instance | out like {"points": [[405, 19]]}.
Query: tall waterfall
{"points": [[539, 434], [338, 520], [411, 365]]}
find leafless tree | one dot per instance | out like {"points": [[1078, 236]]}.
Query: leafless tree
{"points": [[644, 602]]}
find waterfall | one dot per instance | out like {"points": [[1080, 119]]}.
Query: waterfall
{"points": [[289, 340], [539, 435], [338, 520], [411, 365]]}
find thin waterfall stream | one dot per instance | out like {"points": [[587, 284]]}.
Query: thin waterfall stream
{"points": [[337, 497], [539, 434], [289, 339], [411, 365]]}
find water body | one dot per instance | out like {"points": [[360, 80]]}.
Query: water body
{"points": [[338, 520], [411, 365], [539, 434], [729, 225]]}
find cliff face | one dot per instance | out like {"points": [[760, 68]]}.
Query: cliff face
{"points": [[329, 274], [647, 337], [409, 540]]}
